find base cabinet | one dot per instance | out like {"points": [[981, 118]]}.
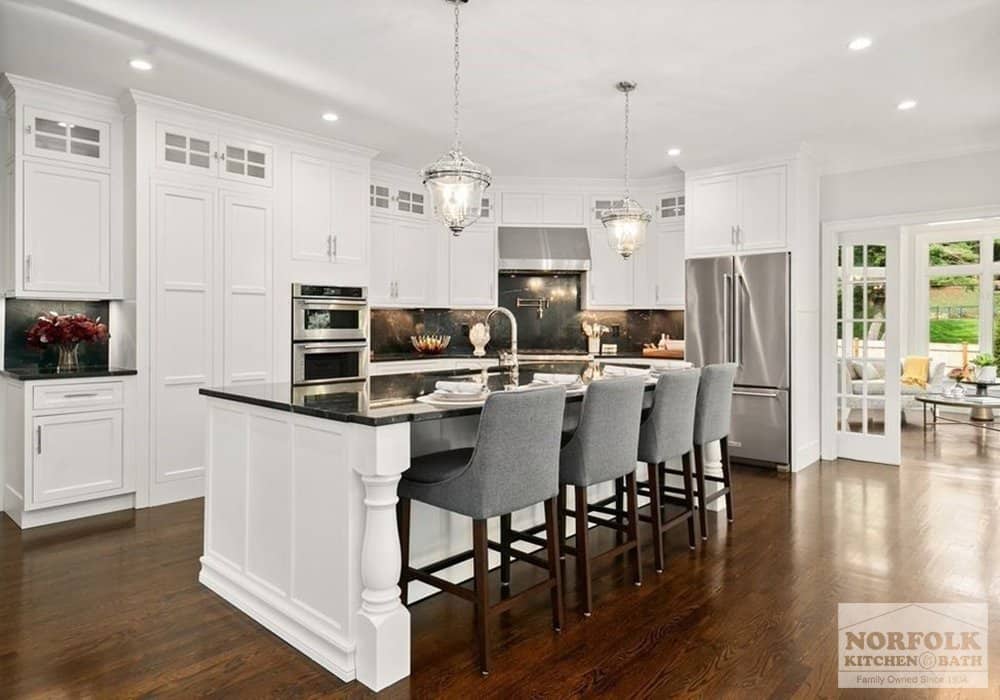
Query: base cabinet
{"points": [[64, 453]]}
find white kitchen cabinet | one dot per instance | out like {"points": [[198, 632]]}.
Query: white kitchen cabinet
{"points": [[763, 221], [736, 212], [472, 268], [611, 280], [404, 262], [248, 229], [713, 210], [76, 455], [64, 451], [329, 221], [200, 151], [660, 269], [67, 229], [542, 209], [66, 137], [61, 231]]}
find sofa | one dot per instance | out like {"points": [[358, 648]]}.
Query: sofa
{"points": [[852, 374]]}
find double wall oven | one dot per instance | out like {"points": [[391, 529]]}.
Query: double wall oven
{"points": [[329, 334]]}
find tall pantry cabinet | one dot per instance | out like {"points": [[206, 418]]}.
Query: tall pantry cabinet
{"points": [[220, 237]]}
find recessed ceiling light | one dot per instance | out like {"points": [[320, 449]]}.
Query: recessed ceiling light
{"points": [[906, 105], [860, 43], [673, 152], [330, 117], [141, 64]]}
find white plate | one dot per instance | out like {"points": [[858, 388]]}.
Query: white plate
{"points": [[453, 400]]}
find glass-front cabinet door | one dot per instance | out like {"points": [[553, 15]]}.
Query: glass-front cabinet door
{"points": [[66, 137]]}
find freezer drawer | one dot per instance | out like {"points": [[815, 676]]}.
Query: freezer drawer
{"points": [[760, 425]]}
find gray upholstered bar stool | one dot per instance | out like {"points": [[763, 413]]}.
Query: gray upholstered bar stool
{"points": [[514, 464], [667, 433], [602, 449], [712, 418]]}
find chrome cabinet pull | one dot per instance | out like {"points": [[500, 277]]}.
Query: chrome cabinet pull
{"points": [[27, 267], [81, 395], [39, 431], [727, 280], [334, 246], [329, 246]]}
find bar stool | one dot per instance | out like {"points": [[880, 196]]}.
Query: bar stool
{"points": [[712, 418], [514, 464], [666, 433], [602, 449]]}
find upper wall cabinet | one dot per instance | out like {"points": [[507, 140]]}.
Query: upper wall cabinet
{"points": [[63, 180], [542, 209], [66, 137], [205, 153], [329, 221], [611, 280], [406, 202], [472, 268], [744, 211]]}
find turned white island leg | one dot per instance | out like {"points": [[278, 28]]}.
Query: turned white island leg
{"points": [[383, 622]]}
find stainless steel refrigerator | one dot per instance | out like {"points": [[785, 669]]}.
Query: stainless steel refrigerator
{"points": [[738, 310]]}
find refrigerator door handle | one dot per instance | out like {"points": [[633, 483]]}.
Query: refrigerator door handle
{"points": [[759, 394], [727, 296], [741, 287]]}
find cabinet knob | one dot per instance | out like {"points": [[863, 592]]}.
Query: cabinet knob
{"points": [[27, 128]]}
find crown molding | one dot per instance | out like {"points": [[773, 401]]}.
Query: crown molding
{"points": [[133, 100], [11, 83], [835, 167]]}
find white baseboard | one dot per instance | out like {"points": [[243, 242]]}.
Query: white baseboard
{"points": [[176, 490], [267, 609], [806, 456], [58, 514]]}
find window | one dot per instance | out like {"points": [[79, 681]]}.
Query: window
{"points": [[378, 196], [671, 207], [411, 202], [958, 294]]}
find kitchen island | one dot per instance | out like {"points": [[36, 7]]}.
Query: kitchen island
{"points": [[300, 524]]}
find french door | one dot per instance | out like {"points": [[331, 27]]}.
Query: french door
{"points": [[866, 334]]}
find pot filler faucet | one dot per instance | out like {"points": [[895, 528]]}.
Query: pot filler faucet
{"points": [[507, 359]]}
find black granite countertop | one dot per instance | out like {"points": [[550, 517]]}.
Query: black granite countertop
{"points": [[465, 355], [382, 400], [31, 374]]}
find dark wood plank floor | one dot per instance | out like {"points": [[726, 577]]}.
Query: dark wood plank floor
{"points": [[111, 606]]}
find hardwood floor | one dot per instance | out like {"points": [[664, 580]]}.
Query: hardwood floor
{"points": [[111, 606]]}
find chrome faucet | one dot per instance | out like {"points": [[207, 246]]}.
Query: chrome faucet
{"points": [[505, 359]]}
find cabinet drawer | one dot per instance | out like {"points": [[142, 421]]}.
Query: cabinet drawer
{"points": [[97, 395]]}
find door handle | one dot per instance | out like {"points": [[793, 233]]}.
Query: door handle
{"points": [[27, 268], [758, 394], [334, 246], [39, 431], [727, 298], [81, 395], [738, 319], [329, 247], [732, 235]]}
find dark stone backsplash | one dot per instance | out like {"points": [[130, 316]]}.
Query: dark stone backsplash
{"points": [[22, 314], [559, 328]]}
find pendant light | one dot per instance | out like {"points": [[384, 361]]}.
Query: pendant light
{"points": [[626, 223], [455, 184]]}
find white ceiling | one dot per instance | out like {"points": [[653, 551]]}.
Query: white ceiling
{"points": [[724, 79]]}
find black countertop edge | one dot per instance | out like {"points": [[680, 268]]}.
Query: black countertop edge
{"points": [[402, 356], [33, 374], [243, 398]]}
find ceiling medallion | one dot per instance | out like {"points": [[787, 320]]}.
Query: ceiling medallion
{"points": [[455, 184], [626, 224]]}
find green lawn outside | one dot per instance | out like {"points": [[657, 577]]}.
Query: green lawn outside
{"points": [[955, 330]]}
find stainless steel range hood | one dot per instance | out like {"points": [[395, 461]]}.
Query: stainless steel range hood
{"points": [[532, 249]]}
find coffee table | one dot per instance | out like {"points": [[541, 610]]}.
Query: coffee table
{"points": [[982, 388], [980, 410]]}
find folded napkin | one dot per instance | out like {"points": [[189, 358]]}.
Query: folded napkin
{"points": [[560, 379], [459, 387], [619, 371]]}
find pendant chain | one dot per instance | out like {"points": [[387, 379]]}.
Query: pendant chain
{"points": [[627, 164], [458, 137]]}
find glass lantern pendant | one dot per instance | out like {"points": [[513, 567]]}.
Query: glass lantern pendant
{"points": [[626, 224], [455, 184]]}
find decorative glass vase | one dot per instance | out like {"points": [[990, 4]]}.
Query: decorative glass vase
{"points": [[69, 358]]}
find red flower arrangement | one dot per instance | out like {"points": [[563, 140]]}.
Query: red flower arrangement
{"points": [[67, 330]]}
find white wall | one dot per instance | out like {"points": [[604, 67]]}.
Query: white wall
{"points": [[947, 183]]}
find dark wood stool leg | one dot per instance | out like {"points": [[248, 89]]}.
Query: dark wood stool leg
{"points": [[688, 496], [505, 542], [633, 527], [726, 479], [619, 511], [561, 508], [699, 465], [403, 524], [656, 511], [583, 550], [552, 542], [481, 564]]}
